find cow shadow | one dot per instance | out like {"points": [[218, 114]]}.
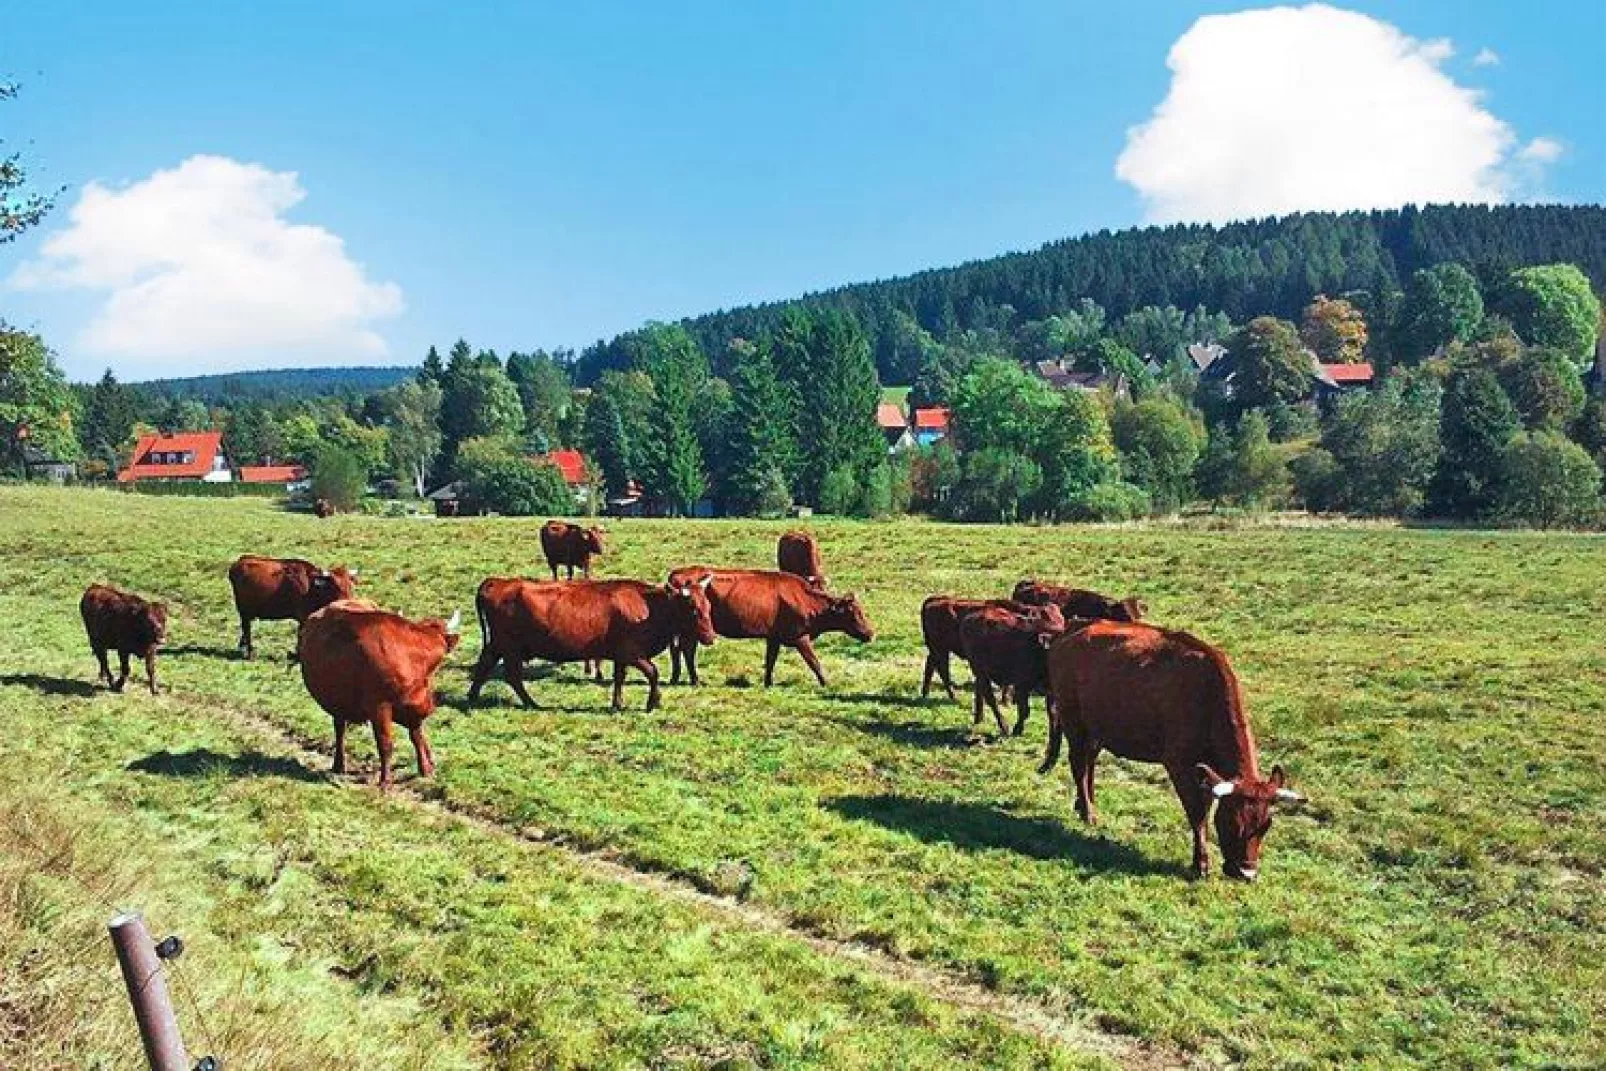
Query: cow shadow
{"points": [[185, 650], [204, 762], [977, 827], [50, 685], [913, 702], [916, 733]]}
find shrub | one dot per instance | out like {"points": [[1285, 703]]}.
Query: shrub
{"points": [[1113, 501], [933, 473], [875, 498], [1318, 481], [994, 485], [1549, 480], [498, 478], [772, 495], [1545, 388], [839, 492], [1159, 445], [338, 476]]}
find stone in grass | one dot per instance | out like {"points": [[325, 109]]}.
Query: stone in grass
{"points": [[730, 877]]}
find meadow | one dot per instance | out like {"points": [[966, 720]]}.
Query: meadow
{"points": [[828, 877]]}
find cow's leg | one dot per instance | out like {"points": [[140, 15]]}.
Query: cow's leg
{"points": [[618, 685], [513, 673], [105, 668], [945, 667], [1196, 801], [690, 654], [930, 671], [384, 745], [649, 671], [976, 700], [482, 672], [150, 669], [340, 745], [1083, 752], [805, 647], [772, 651], [1056, 737], [1023, 709], [122, 665], [985, 687], [674, 660], [426, 758], [246, 650]]}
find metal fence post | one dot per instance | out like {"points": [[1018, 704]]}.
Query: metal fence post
{"points": [[147, 991]]}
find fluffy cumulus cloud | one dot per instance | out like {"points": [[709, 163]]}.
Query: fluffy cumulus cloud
{"points": [[199, 262], [1287, 109], [1486, 57]]}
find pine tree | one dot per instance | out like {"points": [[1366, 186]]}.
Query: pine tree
{"points": [[432, 370], [109, 416], [825, 357], [763, 440], [1476, 423], [607, 443], [674, 457]]}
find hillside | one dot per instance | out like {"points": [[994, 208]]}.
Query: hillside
{"points": [[1242, 269], [279, 385]]}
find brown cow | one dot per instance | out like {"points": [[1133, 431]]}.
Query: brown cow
{"points": [[323, 508], [627, 621], [361, 663], [939, 626], [1079, 602], [1005, 646], [779, 608], [283, 589], [570, 545], [123, 622], [1156, 695], [797, 553]]}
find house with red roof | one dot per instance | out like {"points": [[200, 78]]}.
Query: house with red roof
{"points": [[188, 455], [285, 474], [1331, 380], [571, 463], [931, 424], [890, 418]]}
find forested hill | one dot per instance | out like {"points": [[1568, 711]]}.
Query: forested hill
{"points": [[279, 385], [1271, 266]]}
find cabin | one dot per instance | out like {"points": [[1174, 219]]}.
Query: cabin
{"points": [[291, 476], [931, 425], [40, 464], [894, 425], [195, 456], [1332, 380]]}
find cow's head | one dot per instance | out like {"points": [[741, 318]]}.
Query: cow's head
{"points": [[591, 539], [152, 624], [1130, 608], [844, 614], [691, 596], [454, 631], [1243, 815], [329, 585]]}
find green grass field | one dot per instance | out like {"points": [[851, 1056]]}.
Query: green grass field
{"points": [[1440, 697]]}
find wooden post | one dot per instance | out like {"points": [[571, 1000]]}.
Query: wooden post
{"points": [[147, 991]]}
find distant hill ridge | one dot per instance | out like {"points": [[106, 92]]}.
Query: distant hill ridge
{"points": [[280, 385], [1271, 266]]}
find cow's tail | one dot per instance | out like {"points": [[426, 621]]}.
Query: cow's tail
{"points": [[485, 622]]}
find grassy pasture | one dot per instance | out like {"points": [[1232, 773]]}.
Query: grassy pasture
{"points": [[1440, 696]]}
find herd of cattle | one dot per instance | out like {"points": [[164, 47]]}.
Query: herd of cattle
{"points": [[1110, 681]]}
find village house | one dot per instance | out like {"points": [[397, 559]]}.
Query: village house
{"points": [[930, 425], [289, 475], [190, 455], [890, 418]]}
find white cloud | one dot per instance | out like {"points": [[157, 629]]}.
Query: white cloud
{"points": [[1486, 57], [1287, 109], [199, 262], [1542, 150]]}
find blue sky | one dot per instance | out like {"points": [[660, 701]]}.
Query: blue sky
{"points": [[536, 175]]}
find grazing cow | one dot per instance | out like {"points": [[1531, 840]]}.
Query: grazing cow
{"points": [[364, 664], [1005, 646], [939, 625], [283, 589], [626, 621], [797, 553], [123, 622], [1156, 695], [1078, 602], [781, 609], [570, 545], [323, 508]]}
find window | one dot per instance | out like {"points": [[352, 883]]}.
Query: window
{"points": [[189, 457]]}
